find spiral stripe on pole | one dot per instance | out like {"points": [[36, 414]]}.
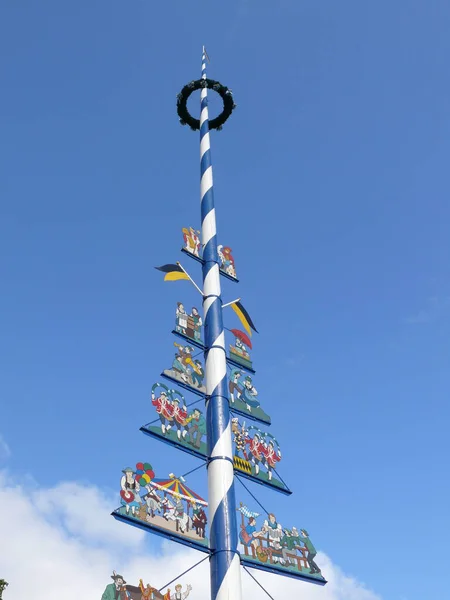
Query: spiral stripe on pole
{"points": [[225, 561]]}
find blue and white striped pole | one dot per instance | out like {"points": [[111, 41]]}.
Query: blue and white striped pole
{"points": [[224, 562]]}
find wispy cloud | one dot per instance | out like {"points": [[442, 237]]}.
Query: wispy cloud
{"points": [[295, 361], [436, 308], [5, 451]]}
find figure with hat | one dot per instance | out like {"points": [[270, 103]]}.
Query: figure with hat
{"points": [[256, 451], [180, 414], [129, 494], [241, 438], [249, 394], [197, 374], [227, 260], [199, 519], [290, 543], [164, 407], [304, 537], [182, 363], [271, 457], [197, 427], [191, 239], [116, 590]]}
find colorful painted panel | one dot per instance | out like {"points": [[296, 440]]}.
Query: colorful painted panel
{"points": [[178, 424], [189, 326], [166, 507], [187, 370], [226, 261], [191, 238], [239, 355], [192, 247], [257, 455], [267, 545], [119, 589], [244, 397]]}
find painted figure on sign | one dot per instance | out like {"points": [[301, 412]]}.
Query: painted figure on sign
{"points": [[181, 319], [194, 324], [189, 371], [238, 351], [198, 374], [146, 591], [274, 531], [153, 501], [233, 385], [241, 349], [191, 239], [174, 511], [196, 426], [164, 407], [179, 415], [248, 534], [226, 260], [290, 543], [249, 393], [271, 457], [240, 439], [129, 493], [186, 369], [116, 590], [311, 551], [256, 452], [182, 362], [179, 595], [199, 520]]}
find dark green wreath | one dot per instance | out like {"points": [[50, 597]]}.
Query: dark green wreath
{"points": [[222, 90]]}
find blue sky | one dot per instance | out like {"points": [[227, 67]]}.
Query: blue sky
{"points": [[332, 189]]}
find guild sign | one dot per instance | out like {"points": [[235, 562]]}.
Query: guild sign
{"points": [[269, 546], [244, 398], [191, 238], [165, 506], [239, 355], [121, 590], [188, 326], [179, 425], [186, 370]]}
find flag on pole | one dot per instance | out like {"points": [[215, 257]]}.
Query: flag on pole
{"points": [[244, 317], [247, 513], [172, 272]]}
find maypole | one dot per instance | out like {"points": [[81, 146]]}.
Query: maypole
{"points": [[168, 507], [224, 559]]}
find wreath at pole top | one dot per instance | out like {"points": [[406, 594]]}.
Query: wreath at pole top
{"points": [[225, 93]]}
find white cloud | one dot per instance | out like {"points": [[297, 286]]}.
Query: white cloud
{"points": [[436, 308], [5, 451], [63, 542]]}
